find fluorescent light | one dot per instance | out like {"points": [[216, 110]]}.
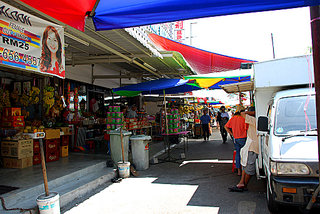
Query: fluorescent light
{"points": [[76, 38]]}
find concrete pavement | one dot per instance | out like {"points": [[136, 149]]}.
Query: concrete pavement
{"points": [[199, 186]]}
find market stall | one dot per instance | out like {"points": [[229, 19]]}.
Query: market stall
{"points": [[170, 117]]}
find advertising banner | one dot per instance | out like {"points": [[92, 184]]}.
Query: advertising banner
{"points": [[30, 43]]}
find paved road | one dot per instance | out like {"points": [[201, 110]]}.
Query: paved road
{"points": [[199, 186]]}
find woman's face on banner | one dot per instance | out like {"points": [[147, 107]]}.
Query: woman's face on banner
{"points": [[52, 42]]}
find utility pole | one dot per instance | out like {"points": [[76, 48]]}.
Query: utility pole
{"points": [[274, 56], [191, 23]]}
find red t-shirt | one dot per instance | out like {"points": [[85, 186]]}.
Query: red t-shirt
{"points": [[238, 126]]}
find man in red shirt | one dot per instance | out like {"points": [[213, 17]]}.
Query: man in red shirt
{"points": [[239, 132]]}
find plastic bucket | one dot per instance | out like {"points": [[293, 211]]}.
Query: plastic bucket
{"points": [[124, 169], [49, 204]]}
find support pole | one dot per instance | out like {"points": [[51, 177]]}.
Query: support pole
{"points": [[315, 31], [44, 170], [122, 148], [165, 112]]}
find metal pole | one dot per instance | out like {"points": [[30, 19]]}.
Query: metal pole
{"points": [[190, 34], [274, 56], [315, 31], [165, 111]]}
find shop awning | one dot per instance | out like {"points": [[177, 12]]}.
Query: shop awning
{"points": [[216, 80], [202, 62], [171, 86], [113, 14]]}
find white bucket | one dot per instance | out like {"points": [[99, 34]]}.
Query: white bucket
{"points": [[124, 169], [49, 204]]}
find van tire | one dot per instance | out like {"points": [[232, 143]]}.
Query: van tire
{"points": [[273, 206]]}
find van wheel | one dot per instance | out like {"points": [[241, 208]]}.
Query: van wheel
{"points": [[273, 206]]}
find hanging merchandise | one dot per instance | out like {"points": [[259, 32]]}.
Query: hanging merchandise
{"points": [[68, 95], [76, 98], [4, 98], [48, 98], [34, 95], [15, 96]]}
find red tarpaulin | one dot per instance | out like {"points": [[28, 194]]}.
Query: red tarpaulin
{"points": [[69, 12], [203, 62]]}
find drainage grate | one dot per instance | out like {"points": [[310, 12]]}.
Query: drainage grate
{"points": [[5, 189]]}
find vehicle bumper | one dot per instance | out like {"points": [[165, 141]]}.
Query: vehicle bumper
{"points": [[304, 190]]}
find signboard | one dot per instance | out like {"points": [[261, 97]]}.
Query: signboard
{"points": [[178, 29], [30, 43]]}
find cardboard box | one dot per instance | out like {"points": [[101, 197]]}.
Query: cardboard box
{"points": [[52, 133], [64, 151], [18, 149], [17, 163], [65, 130]]}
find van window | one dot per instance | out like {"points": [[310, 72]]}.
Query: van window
{"points": [[290, 115]]}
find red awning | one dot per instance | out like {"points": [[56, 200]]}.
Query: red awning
{"points": [[202, 62], [69, 12]]}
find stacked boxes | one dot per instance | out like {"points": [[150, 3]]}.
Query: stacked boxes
{"points": [[64, 142], [52, 150], [132, 123], [36, 152], [114, 118], [52, 144], [64, 151], [174, 125], [12, 118], [174, 121], [17, 154]]}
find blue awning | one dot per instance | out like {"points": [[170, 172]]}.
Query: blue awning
{"points": [[174, 90], [113, 14], [148, 87]]}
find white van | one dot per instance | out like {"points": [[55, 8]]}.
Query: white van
{"points": [[287, 127]]}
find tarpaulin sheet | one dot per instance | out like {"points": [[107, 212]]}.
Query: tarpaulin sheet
{"points": [[174, 90], [148, 87], [215, 80], [112, 14], [202, 62], [72, 13]]}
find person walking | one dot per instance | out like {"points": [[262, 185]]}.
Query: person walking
{"points": [[222, 119], [239, 133], [249, 152], [205, 120]]}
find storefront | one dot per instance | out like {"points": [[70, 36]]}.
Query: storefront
{"points": [[36, 101]]}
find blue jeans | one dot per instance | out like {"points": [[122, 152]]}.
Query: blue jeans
{"points": [[238, 144]]}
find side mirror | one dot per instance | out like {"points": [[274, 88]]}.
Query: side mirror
{"points": [[263, 124]]}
